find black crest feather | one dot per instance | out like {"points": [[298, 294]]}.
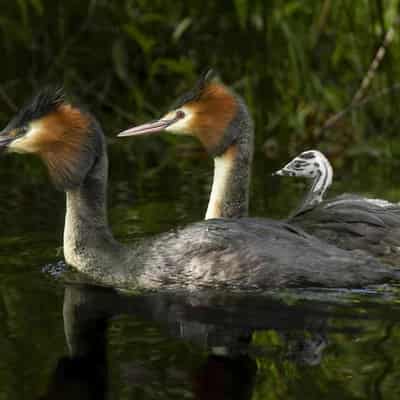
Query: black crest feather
{"points": [[44, 102], [195, 93]]}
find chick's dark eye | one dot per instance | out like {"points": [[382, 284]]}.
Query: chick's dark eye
{"points": [[180, 114]]}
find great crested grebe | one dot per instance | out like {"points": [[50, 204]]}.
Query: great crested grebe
{"points": [[220, 120], [235, 254], [349, 220]]}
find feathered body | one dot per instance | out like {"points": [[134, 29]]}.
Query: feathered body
{"points": [[349, 221], [243, 254]]}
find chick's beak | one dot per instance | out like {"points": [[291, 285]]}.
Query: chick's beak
{"points": [[151, 127], [280, 172]]}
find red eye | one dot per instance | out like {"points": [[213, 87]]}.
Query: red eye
{"points": [[180, 114]]}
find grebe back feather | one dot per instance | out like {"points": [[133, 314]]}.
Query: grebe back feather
{"points": [[349, 220]]}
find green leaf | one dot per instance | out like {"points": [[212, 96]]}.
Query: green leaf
{"points": [[38, 6], [182, 66], [241, 12], [181, 28], [145, 42], [23, 9], [119, 60]]}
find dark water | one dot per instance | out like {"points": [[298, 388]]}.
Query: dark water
{"points": [[59, 341]]}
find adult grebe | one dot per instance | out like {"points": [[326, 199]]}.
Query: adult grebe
{"points": [[220, 120], [235, 254], [349, 220]]}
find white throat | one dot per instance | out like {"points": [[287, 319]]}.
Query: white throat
{"points": [[222, 170]]}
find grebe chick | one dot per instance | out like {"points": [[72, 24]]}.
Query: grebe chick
{"points": [[314, 165], [242, 254], [349, 220]]}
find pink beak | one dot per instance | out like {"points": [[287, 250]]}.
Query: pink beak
{"points": [[150, 127]]}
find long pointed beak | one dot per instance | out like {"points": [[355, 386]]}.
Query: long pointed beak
{"points": [[150, 127], [5, 139]]}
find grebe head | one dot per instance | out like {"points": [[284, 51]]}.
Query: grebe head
{"points": [[60, 133], [311, 164], [308, 164], [206, 112]]}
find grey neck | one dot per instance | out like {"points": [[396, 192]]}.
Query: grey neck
{"points": [[88, 243], [232, 169]]}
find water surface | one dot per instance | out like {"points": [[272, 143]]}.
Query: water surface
{"points": [[283, 345]]}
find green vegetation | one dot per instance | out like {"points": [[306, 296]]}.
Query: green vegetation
{"points": [[295, 62]]}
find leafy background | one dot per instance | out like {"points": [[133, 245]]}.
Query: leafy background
{"points": [[296, 63]]}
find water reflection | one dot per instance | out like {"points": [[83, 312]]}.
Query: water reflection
{"points": [[224, 326]]}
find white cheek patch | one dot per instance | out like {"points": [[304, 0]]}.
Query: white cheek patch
{"points": [[183, 125], [29, 142]]}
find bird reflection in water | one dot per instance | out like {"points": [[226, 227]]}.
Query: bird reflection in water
{"points": [[223, 325]]}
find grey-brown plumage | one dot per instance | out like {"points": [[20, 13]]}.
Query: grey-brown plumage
{"points": [[228, 137], [244, 254], [348, 221], [250, 254], [351, 222]]}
